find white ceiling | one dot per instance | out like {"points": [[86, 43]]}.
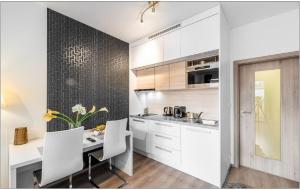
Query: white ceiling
{"points": [[122, 19], [240, 13]]}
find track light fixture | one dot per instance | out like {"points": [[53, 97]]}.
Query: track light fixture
{"points": [[151, 5]]}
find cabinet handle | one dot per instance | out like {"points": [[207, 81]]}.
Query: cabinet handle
{"points": [[160, 124], [198, 131], [138, 121], [163, 149], [164, 137]]}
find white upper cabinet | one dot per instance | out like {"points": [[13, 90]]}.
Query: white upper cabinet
{"points": [[136, 56], [197, 34], [201, 36], [172, 45], [148, 53]]}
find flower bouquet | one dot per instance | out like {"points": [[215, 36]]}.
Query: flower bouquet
{"points": [[81, 115]]}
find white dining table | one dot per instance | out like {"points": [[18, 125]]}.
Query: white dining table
{"points": [[30, 154]]}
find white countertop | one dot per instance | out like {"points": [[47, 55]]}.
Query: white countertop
{"points": [[22, 155], [182, 121]]}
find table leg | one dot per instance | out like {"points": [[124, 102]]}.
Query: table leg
{"points": [[13, 178]]}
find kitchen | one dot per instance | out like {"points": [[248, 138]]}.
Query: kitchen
{"points": [[175, 94]]}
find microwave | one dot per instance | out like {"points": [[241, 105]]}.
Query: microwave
{"points": [[200, 74]]}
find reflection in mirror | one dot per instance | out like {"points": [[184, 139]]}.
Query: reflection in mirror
{"points": [[267, 114]]}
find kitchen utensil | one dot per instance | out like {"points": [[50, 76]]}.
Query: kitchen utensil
{"points": [[168, 111], [191, 115]]}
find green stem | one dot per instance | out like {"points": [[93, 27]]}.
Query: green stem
{"points": [[85, 117], [88, 115], [77, 117], [66, 117], [63, 119]]}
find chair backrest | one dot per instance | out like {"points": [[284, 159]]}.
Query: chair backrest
{"points": [[62, 154], [114, 138]]}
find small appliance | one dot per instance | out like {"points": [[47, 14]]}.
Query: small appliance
{"points": [[202, 71], [168, 111], [179, 111]]}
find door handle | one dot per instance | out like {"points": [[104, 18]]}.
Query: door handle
{"points": [[164, 137], [163, 149], [138, 121], [246, 112], [165, 125], [199, 130]]}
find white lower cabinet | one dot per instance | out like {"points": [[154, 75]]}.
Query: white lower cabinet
{"points": [[193, 150], [164, 143], [166, 155], [200, 153], [139, 128]]}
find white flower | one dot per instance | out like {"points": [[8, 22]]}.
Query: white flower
{"points": [[79, 108]]}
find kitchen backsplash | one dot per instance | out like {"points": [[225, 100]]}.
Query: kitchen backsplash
{"points": [[206, 101]]}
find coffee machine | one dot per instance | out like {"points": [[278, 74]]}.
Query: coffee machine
{"points": [[179, 111]]}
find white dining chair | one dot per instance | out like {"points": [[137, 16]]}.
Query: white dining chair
{"points": [[62, 156], [114, 144]]}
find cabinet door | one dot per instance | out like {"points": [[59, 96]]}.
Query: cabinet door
{"points": [[137, 56], [153, 51], [145, 79], [140, 133], [177, 75], [201, 153], [172, 45], [162, 77], [147, 53], [201, 36]]}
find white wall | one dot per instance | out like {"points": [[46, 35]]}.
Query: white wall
{"points": [[225, 95], [23, 72], [273, 35], [277, 34]]}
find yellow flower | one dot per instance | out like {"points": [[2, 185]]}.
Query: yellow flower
{"points": [[52, 112], [100, 127], [93, 109], [104, 109], [48, 117]]}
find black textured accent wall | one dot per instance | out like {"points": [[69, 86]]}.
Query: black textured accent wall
{"points": [[85, 66]]}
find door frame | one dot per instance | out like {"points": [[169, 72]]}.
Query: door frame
{"points": [[236, 94]]}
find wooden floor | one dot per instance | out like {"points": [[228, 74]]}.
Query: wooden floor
{"points": [[257, 179], [149, 173]]}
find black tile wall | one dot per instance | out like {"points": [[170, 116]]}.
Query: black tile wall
{"points": [[85, 66]]}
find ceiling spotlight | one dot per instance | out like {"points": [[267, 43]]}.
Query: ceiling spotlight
{"points": [[151, 5], [153, 9]]}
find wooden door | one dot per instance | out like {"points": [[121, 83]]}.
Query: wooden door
{"points": [[145, 79], [177, 76], [162, 75], [269, 139]]}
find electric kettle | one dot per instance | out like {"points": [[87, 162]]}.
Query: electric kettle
{"points": [[168, 111]]}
